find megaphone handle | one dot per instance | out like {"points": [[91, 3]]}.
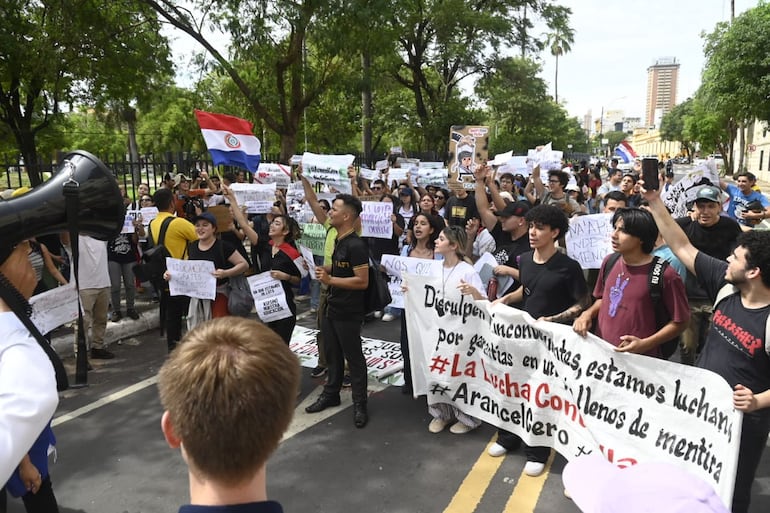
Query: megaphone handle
{"points": [[71, 200]]}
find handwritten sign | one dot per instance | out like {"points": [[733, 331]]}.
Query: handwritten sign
{"points": [[273, 173], [375, 219], [369, 174], [148, 214], [314, 237], [546, 158], [257, 197], [555, 388], [397, 266], [395, 174], [192, 278], [269, 297], [588, 239], [54, 307], [331, 170]]}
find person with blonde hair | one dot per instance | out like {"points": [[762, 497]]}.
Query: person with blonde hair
{"points": [[228, 391]]}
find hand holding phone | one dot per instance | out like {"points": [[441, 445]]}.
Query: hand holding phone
{"points": [[650, 174]]}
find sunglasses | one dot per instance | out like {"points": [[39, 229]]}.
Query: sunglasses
{"points": [[439, 197]]}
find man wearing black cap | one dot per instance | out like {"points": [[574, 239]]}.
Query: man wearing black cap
{"points": [[715, 235], [28, 396]]}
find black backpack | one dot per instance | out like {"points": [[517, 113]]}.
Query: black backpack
{"points": [[655, 285], [154, 258]]}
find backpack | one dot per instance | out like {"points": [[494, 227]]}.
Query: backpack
{"points": [[655, 285], [154, 258]]}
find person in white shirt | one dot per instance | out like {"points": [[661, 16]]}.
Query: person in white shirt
{"points": [[94, 284]]}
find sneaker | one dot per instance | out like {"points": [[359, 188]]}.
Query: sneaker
{"points": [[313, 310], [378, 314], [318, 372], [132, 314], [360, 415], [101, 354], [388, 317], [115, 316], [323, 402], [437, 425], [303, 297], [534, 468], [459, 428], [496, 450], [155, 299], [567, 494], [346, 381]]}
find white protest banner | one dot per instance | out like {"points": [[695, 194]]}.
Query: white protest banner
{"points": [[396, 266], [368, 174], [545, 157], [193, 278], [313, 237], [269, 297], [432, 176], [331, 170], [514, 166], [384, 362], [501, 158], [380, 165], [375, 219], [485, 266], [148, 214], [588, 239], [307, 254], [685, 190], [273, 173], [128, 222], [257, 197], [578, 395], [52, 308]]}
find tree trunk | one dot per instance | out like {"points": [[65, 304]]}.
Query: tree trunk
{"points": [[366, 107], [129, 116], [288, 146], [556, 81], [741, 144], [28, 148]]}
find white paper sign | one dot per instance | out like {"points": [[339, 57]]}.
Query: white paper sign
{"points": [[485, 266], [396, 266], [54, 307], [307, 254], [257, 197], [273, 173], [546, 158], [395, 173], [128, 222], [432, 176], [375, 219], [554, 388], [369, 174], [380, 165], [331, 170], [269, 297], [148, 214], [193, 278], [501, 158], [588, 239]]}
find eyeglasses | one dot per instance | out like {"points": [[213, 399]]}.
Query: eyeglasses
{"points": [[438, 197], [553, 181]]}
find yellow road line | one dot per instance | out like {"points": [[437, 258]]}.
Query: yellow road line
{"points": [[468, 496], [527, 491]]}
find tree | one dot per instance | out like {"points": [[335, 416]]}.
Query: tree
{"points": [[559, 41], [713, 129], [672, 126], [57, 52]]}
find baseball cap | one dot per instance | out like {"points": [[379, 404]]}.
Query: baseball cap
{"points": [[179, 177], [517, 208], [709, 193], [572, 187], [598, 486], [406, 191], [206, 216]]}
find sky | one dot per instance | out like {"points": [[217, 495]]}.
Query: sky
{"points": [[617, 40]]}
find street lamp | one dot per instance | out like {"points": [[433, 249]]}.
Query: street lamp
{"points": [[569, 152]]}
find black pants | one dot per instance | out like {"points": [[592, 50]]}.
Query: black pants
{"points": [[342, 341], [44, 501], [174, 308], [284, 327], [405, 353], [512, 442], [753, 439]]}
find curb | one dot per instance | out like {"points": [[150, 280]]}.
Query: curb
{"points": [[116, 331]]}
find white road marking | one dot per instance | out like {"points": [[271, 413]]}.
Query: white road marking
{"points": [[115, 396]]}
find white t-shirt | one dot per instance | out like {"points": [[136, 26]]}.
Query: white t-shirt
{"points": [[451, 276], [93, 267]]}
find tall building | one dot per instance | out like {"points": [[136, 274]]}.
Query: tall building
{"points": [[662, 81], [587, 123]]}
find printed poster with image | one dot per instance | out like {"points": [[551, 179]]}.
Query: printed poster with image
{"points": [[468, 149]]}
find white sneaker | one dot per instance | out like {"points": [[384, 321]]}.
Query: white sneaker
{"points": [[496, 450], [437, 425], [534, 468], [388, 317], [459, 428], [378, 314]]}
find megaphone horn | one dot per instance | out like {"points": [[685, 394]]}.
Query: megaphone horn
{"points": [[43, 210]]}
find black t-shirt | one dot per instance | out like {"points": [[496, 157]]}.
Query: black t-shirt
{"points": [[350, 253], [735, 346], [552, 287], [507, 251], [717, 241], [231, 238], [122, 248], [457, 211], [218, 253], [283, 260]]}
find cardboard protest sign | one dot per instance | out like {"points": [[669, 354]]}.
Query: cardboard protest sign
{"points": [[278, 174], [578, 395], [331, 170], [588, 239], [52, 308], [223, 216], [375, 219], [396, 266], [468, 148], [269, 297], [258, 198], [313, 237], [193, 278]]}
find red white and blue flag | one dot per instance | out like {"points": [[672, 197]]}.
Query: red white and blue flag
{"points": [[625, 152], [230, 140]]}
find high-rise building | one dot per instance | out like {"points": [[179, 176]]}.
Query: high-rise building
{"points": [[662, 81]]}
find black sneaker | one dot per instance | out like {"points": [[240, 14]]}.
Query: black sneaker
{"points": [[324, 401], [115, 316], [101, 354], [318, 372], [360, 415], [346, 381], [132, 313]]}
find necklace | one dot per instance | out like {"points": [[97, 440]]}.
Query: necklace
{"points": [[445, 278], [616, 291]]}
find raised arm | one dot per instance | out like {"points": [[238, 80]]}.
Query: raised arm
{"points": [[311, 198], [481, 174], [672, 233], [239, 216]]}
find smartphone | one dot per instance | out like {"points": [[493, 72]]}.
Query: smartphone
{"points": [[650, 174]]}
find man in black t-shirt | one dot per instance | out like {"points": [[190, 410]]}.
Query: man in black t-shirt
{"points": [[460, 208], [347, 279], [714, 235], [736, 344]]}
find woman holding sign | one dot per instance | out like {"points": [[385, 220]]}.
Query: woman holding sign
{"points": [[283, 232]]}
